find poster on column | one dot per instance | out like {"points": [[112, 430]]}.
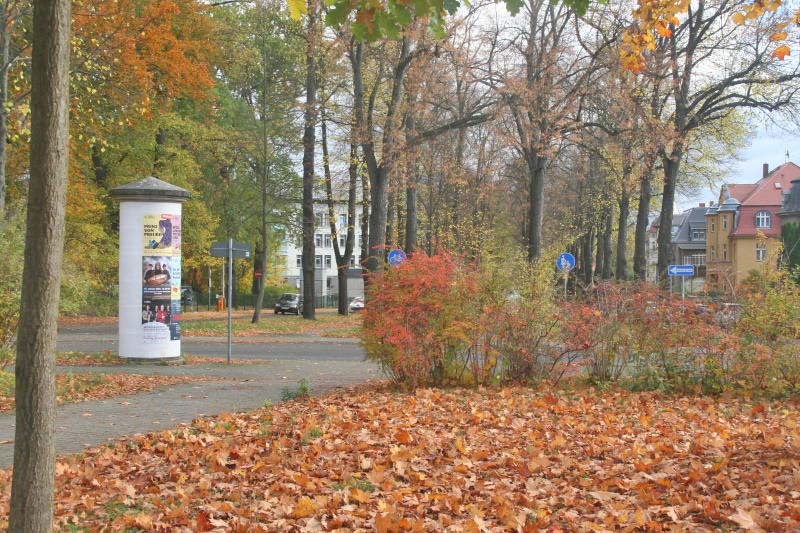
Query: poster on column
{"points": [[161, 278]]}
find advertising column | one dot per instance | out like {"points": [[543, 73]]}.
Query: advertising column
{"points": [[150, 269]]}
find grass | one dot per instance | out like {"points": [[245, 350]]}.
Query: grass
{"points": [[302, 392], [325, 325]]}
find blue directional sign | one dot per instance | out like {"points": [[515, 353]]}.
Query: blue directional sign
{"points": [[565, 262], [680, 270], [396, 257]]}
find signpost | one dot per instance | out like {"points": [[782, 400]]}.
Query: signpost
{"points": [[565, 263], [681, 271], [230, 250], [396, 257]]}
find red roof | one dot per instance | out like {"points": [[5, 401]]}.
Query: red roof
{"points": [[764, 195], [746, 226], [740, 190]]}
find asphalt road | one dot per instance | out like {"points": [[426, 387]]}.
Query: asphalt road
{"points": [[325, 363], [95, 338]]}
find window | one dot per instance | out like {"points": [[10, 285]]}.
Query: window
{"points": [[342, 243], [724, 252], [321, 219], [328, 241], [713, 226], [724, 222], [327, 261], [317, 261], [342, 221], [763, 219], [713, 254], [318, 240], [299, 261], [698, 235], [761, 251]]}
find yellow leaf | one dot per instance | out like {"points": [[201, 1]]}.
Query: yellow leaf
{"points": [[738, 18], [297, 8], [304, 508], [779, 36]]}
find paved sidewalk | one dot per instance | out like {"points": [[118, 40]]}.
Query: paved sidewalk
{"points": [[85, 424]]}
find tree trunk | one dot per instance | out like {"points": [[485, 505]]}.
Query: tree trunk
{"points": [[309, 145], [600, 255], [536, 166], [642, 221], [588, 245], [365, 196], [622, 234], [5, 43], [158, 152], [377, 221], [411, 219], [261, 260], [671, 166], [607, 231], [31, 507], [391, 216]]}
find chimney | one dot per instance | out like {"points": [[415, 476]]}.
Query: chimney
{"points": [[765, 171], [702, 204]]}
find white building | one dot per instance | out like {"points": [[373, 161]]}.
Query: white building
{"points": [[325, 274]]}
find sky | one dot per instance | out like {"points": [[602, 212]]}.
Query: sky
{"points": [[768, 146]]}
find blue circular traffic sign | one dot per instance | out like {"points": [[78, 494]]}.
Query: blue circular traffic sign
{"points": [[565, 262], [396, 257]]}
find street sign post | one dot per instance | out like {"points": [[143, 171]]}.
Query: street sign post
{"points": [[238, 250], [681, 271], [565, 263], [230, 249], [396, 257]]}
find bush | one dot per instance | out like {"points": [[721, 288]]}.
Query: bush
{"points": [[439, 320]]}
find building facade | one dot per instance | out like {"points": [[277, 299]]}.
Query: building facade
{"points": [[689, 240], [744, 229], [325, 270]]}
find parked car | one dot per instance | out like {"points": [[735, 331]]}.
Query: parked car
{"points": [[357, 304], [289, 303]]}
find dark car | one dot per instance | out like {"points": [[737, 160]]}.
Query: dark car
{"points": [[289, 303]]}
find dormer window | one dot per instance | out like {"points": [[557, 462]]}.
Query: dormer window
{"points": [[698, 235], [763, 220]]}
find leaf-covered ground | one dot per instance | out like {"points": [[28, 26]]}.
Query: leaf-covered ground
{"points": [[450, 461], [83, 387], [111, 359]]}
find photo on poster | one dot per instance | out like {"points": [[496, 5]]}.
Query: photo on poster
{"points": [[158, 271], [161, 233]]}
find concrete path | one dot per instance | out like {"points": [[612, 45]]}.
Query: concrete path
{"points": [[324, 363]]}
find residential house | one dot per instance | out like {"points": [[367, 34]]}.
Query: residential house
{"points": [[689, 239], [744, 228]]}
